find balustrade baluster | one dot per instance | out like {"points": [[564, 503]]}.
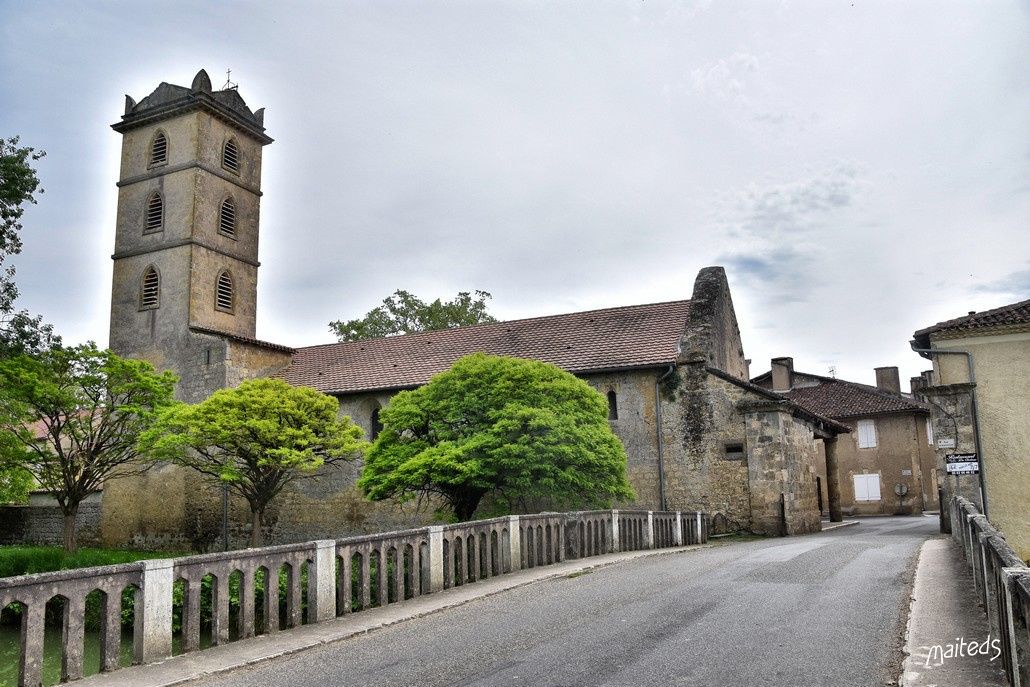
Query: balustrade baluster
{"points": [[220, 608], [191, 613], [343, 583], [111, 626], [72, 637], [246, 592], [270, 605]]}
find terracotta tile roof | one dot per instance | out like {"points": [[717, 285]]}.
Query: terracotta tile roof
{"points": [[1006, 315], [809, 413], [837, 398], [610, 339]]}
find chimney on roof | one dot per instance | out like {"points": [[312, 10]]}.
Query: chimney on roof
{"points": [[782, 374], [888, 379]]}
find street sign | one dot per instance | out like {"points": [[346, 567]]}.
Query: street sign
{"points": [[945, 443], [962, 464]]}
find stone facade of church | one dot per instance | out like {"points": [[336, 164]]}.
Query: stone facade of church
{"points": [[697, 433]]}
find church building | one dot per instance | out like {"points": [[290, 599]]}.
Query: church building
{"points": [[698, 435]]}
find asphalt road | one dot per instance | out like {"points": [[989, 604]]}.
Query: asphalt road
{"points": [[825, 609]]}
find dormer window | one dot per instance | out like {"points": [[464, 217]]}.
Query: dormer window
{"points": [[224, 292], [150, 289], [155, 218], [159, 149], [227, 218], [231, 156]]}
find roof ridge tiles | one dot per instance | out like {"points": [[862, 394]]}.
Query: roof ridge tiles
{"points": [[621, 337], [499, 323], [983, 319]]}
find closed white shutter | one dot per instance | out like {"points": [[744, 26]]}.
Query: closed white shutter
{"points": [[866, 434], [867, 487], [873, 486], [929, 432], [861, 493]]}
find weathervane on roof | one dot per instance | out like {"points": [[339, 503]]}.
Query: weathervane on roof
{"points": [[229, 85], [833, 371]]}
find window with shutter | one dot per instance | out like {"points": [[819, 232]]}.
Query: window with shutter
{"points": [[231, 156], [155, 213], [866, 434], [227, 218], [159, 149], [150, 289], [867, 487], [223, 293]]}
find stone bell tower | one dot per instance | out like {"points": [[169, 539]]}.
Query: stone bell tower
{"points": [[186, 243]]}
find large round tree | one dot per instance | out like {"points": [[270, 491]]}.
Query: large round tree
{"points": [[511, 428], [255, 439]]}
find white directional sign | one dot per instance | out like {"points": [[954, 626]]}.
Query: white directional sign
{"points": [[962, 464]]}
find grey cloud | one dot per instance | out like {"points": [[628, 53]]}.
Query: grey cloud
{"points": [[776, 211], [1015, 284]]}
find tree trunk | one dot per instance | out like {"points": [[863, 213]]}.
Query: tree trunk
{"points": [[71, 542], [466, 503], [255, 529]]}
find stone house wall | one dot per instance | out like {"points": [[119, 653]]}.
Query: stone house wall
{"points": [[951, 411], [782, 470], [898, 457], [702, 429]]}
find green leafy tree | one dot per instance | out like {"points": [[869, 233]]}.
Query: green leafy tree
{"points": [[515, 429], [15, 481], [255, 439], [404, 313], [72, 417], [19, 331]]}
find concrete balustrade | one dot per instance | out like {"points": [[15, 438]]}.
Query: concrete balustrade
{"points": [[1002, 583], [343, 576], [72, 587]]}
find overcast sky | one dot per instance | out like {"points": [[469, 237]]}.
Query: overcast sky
{"points": [[861, 169]]}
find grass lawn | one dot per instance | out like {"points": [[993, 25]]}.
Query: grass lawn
{"points": [[24, 560]]}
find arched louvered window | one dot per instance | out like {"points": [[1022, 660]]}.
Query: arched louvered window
{"points": [[159, 149], [155, 213], [227, 218], [150, 289], [231, 156], [223, 292], [613, 406]]}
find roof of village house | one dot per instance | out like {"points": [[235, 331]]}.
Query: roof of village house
{"points": [[1006, 315], [804, 411], [636, 336], [838, 398]]}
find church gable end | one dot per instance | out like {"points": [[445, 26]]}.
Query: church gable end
{"points": [[712, 331]]}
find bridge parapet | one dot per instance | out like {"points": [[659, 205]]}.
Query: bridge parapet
{"points": [[1002, 583], [213, 599]]}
